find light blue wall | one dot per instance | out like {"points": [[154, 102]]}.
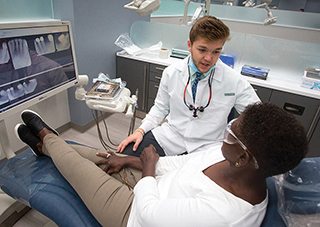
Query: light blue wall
{"points": [[18, 10], [96, 26]]}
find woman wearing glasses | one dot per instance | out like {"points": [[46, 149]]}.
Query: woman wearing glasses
{"points": [[209, 188]]}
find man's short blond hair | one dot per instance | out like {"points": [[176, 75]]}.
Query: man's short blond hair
{"points": [[210, 28]]}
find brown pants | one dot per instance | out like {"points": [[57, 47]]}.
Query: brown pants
{"points": [[108, 198]]}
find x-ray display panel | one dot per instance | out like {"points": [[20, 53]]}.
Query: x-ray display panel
{"points": [[33, 61]]}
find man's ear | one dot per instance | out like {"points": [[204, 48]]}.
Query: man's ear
{"points": [[189, 45]]}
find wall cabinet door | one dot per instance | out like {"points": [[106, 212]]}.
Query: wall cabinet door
{"points": [[314, 135], [314, 143], [135, 73]]}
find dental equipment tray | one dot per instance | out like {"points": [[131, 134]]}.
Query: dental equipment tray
{"points": [[255, 72], [104, 90]]}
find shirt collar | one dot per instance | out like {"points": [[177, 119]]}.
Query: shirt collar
{"points": [[193, 69]]}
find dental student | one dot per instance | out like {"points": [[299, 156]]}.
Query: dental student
{"points": [[195, 97]]}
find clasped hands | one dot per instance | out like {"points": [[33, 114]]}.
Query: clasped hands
{"points": [[115, 163]]}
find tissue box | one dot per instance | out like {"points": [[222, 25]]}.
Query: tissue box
{"points": [[311, 79], [312, 84], [256, 72]]}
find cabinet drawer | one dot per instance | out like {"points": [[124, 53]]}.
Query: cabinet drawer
{"points": [[303, 108], [263, 93], [157, 68], [156, 77], [153, 89]]}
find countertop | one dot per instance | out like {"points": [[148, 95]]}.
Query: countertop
{"points": [[271, 82]]}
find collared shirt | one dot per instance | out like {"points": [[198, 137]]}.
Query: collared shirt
{"points": [[193, 70]]}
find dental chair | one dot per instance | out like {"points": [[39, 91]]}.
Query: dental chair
{"points": [[35, 182]]}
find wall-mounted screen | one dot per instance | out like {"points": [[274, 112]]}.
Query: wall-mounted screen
{"points": [[37, 61]]}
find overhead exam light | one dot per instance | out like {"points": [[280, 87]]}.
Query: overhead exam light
{"points": [[271, 19], [143, 7]]}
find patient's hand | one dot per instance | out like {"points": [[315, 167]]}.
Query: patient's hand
{"points": [[114, 163], [149, 159]]}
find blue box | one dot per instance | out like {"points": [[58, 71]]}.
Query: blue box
{"points": [[256, 72], [228, 59]]}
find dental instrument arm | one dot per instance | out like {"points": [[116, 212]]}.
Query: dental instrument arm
{"points": [[143, 7], [195, 16], [271, 19], [201, 9], [107, 95], [248, 3], [80, 92]]}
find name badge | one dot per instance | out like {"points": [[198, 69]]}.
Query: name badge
{"points": [[229, 94]]}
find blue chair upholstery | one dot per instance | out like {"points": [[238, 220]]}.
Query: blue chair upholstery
{"points": [[37, 183], [272, 218]]}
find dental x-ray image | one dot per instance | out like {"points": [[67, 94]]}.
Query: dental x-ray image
{"points": [[62, 41], [3, 97], [4, 53], [31, 65], [19, 51], [44, 45]]}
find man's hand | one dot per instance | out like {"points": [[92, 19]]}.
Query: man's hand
{"points": [[113, 162], [149, 159], [135, 137]]}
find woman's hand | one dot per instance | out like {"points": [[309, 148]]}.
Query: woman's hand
{"points": [[149, 159], [135, 137], [113, 162]]}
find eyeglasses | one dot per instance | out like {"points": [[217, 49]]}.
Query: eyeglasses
{"points": [[233, 139]]}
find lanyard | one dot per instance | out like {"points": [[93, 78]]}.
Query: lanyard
{"points": [[192, 107]]}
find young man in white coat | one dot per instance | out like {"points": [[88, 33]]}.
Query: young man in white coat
{"points": [[195, 97]]}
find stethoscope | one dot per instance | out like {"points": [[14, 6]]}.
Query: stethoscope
{"points": [[192, 107]]}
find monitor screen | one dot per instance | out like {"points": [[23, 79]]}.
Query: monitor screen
{"points": [[37, 60]]}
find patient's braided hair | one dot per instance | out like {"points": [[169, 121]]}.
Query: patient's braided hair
{"points": [[210, 28], [274, 136]]}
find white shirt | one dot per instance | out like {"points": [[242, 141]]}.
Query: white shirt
{"points": [[181, 195], [182, 132]]}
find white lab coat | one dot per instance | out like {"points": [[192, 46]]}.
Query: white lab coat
{"points": [[182, 132]]}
